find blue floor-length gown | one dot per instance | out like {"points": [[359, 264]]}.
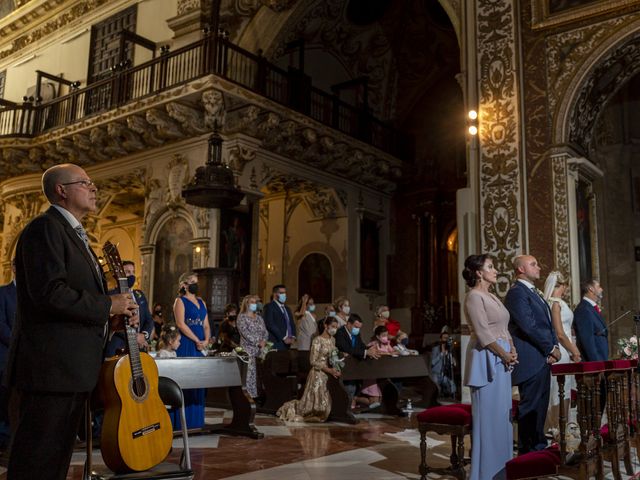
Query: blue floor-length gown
{"points": [[194, 318]]}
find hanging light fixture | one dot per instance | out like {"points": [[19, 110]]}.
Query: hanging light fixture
{"points": [[213, 185]]}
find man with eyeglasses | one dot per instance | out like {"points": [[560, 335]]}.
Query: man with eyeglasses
{"points": [[62, 316]]}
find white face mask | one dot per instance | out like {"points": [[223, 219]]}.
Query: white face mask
{"points": [[385, 314], [332, 331], [346, 309]]}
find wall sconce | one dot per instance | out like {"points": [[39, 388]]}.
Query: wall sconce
{"points": [[473, 122], [198, 249], [271, 268]]}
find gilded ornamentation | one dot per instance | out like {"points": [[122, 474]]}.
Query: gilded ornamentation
{"points": [[499, 154], [561, 214]]}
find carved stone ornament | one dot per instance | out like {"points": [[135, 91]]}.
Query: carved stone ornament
{"points": [[561, 214], [213, 102], [178, 177], [499, 137]]}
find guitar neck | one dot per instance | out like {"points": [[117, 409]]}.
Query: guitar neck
{"points": [[132, 335]]}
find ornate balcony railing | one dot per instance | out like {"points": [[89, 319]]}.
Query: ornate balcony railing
{"points": [[210, 55]]}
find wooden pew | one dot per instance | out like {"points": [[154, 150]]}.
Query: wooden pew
{"points": [[215, 373], [281, 371]]}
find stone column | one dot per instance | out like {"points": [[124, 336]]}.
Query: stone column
{"points": [[147, 261]]}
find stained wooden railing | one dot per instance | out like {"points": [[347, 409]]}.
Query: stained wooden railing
{"points": [[210, 55]]}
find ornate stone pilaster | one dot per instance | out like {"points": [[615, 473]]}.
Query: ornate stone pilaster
{"points": [[499, 137], [562, 255], [147, 254]]}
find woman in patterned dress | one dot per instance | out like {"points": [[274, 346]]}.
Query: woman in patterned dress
{"points": [[315, 404], [253, 337], [191, 317]]}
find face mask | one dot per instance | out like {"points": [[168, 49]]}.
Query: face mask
{"points": [[355, 331], [182, 291], [332, 314], [311, 308], [232, 318], [193, 288], [384, 339], [131, 280], [158, 313], [253, 307], [282, 297], [385, 314], [332, 331], [346, 309]]}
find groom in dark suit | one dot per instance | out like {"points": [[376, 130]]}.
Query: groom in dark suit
{"points": [[537, 345], [59, 333], [279, 320], [588, 323]]}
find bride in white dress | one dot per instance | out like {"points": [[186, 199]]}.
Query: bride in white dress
{"points": [[562, 319]]}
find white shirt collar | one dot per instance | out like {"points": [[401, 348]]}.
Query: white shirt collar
{"points": [[527, 284], [73, 221], [593, 304]]}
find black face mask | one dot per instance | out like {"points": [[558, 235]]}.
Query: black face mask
{"points": [[232, 318], [131, 280], [193, 288], [158, 313]]}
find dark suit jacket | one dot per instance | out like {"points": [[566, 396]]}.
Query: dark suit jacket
{"points": [[276, 324], [7, 317], [591, 333], [531, 329], [118, 341], [62, 311], [343, 343]]}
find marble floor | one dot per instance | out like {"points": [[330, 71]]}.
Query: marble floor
{"points": [[377, 448]]}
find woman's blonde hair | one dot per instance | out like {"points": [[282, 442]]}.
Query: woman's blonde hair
{"points": [[244, 305], [339, 302]]}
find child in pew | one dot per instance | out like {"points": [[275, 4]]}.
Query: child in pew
{"points": [[370, 388], [169, 342]]}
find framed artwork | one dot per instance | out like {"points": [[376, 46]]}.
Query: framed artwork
{"points": [[369, 254], [584, 217], [235, 245], [548, 13], [315, 277]]}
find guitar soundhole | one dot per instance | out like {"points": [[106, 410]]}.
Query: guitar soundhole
{"points": [[139, 388]]}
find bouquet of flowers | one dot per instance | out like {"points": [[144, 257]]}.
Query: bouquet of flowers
{"points": [[335, 361], [266, 349], [628, 347]]}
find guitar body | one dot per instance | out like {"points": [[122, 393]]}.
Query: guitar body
{"points": [[136, 432]]}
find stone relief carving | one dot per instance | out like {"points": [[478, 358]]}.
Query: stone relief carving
{"points": [[238, 158], [166, 127], [499, 160], [213, 102], [178, 177], [191, 119]]}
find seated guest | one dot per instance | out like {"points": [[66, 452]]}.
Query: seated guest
{"points": [[253, 337], [315, 404], [279, 320], [307, 324], [589, 324], [382, 318], [349, 342], [342, 308], [169, 343]]}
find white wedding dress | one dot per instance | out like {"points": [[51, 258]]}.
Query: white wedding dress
{"points": [[570, 382]]}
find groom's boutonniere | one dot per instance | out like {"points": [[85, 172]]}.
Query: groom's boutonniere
{"points": [[539, 292]]}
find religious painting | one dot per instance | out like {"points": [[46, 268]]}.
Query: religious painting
{"points": [[315, 278], [369, 254], [585, 239], [235, 245], [173, 257], [548, 13]]}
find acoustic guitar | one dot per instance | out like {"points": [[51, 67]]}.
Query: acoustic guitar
{"points": [[136, 430]]}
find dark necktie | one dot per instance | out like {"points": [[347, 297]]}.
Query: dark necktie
{"points": [[286, 317], [353, 341]]}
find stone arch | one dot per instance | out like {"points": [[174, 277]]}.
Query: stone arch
{"points": [[609, 66], [322, 287], [453, 12], [159, 218]]}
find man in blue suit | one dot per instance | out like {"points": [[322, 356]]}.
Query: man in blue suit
{"points": [[279, 320], [588, 323], [537, 345], [145, 327], [8, 301]]}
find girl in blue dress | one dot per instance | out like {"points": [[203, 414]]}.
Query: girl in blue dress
{"points": [[191, 317]]}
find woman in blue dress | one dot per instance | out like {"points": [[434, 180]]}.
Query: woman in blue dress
{"points": [[191, 317]]}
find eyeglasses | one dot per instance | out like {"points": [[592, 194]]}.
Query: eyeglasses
{"points": [[84, 183]]}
